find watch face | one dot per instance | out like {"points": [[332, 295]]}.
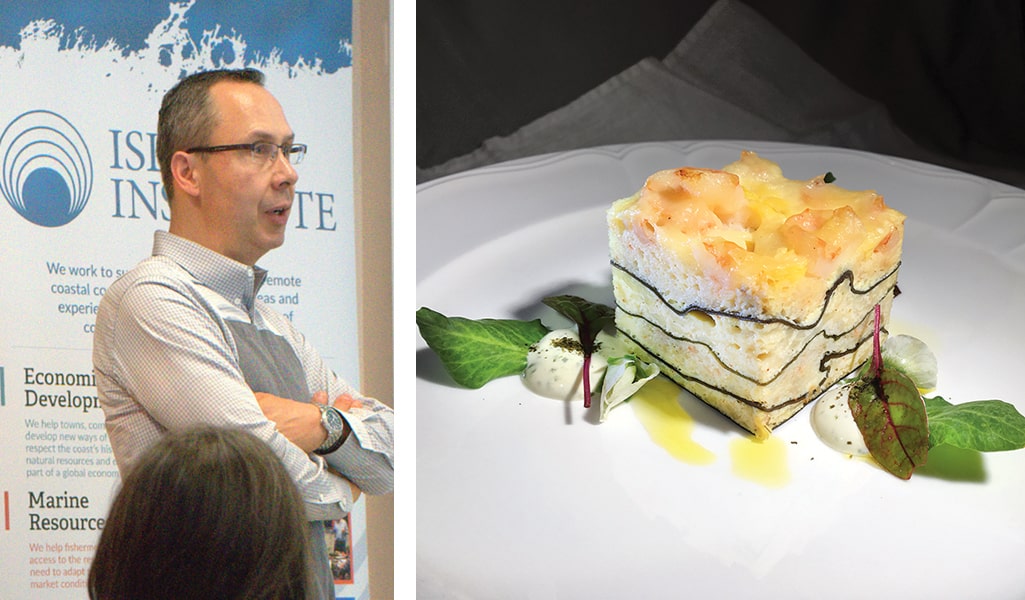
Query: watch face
{"points": [[332, 422], [331, 419]]}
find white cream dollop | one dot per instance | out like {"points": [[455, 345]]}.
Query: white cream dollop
{"points": [[555, 367], [833, 422]]}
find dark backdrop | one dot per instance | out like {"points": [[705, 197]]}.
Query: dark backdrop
{"points": [[951, 72]]}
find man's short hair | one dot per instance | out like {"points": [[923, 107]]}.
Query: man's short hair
{"points": [[187, 116]]}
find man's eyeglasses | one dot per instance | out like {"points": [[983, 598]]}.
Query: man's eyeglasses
{"points": [[264, 151]]}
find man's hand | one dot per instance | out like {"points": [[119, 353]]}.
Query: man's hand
{"points": [[300, 421], [343, 402], [297, 421]]}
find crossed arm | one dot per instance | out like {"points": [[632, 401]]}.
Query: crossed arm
{"points": [[169, 356], [300, 423]]}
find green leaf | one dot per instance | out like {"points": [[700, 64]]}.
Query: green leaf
{"points": [[891, 416], [476, 351], [983, 425]]}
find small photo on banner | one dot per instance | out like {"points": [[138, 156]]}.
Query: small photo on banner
{"points": [[339, 545]]}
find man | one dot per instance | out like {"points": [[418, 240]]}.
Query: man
{"points": [[181, 339]]}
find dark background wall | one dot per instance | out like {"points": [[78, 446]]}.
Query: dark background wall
{"points": [[951, 72]]}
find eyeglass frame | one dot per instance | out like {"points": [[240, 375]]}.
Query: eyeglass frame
{"points": [[286, 149]]}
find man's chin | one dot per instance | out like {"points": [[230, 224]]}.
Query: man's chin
{"points": [[276, 242]]}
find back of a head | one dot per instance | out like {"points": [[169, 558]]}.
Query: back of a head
{"points": [[209, 513]]}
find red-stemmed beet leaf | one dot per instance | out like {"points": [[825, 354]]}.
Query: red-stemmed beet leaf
{"points": [[890, 414], [590, 318]]}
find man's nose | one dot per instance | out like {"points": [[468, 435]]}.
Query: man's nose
{"points": [[286, 168]]}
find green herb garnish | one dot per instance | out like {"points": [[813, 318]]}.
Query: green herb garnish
{"points": [[476, 351], [982, 425]]}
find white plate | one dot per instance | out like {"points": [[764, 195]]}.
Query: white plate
{"points": [[523, 497]]}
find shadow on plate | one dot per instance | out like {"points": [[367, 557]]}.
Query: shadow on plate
{"points": [[705, 415], [601, 294], [430, 368], [953, 464]]}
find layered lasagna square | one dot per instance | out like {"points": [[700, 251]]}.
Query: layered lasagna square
{"points": [[753, 291]]}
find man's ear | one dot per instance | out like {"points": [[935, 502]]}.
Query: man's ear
{"points": [[186, 177]]}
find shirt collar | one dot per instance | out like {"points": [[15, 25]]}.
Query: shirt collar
{"points": [[237, 282]]}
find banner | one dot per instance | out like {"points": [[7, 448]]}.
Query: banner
{"points": [[80, 86]]}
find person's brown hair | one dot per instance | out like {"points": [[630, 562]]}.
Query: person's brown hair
{"points": [[205, 514], [187, 115]]}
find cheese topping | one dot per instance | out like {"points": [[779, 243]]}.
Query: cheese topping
{"points": [[749, 226]]}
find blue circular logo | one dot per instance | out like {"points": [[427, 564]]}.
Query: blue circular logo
{"points": [[47, 169]]}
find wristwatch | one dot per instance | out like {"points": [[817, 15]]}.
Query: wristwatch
{"points": [[331, 419]]}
